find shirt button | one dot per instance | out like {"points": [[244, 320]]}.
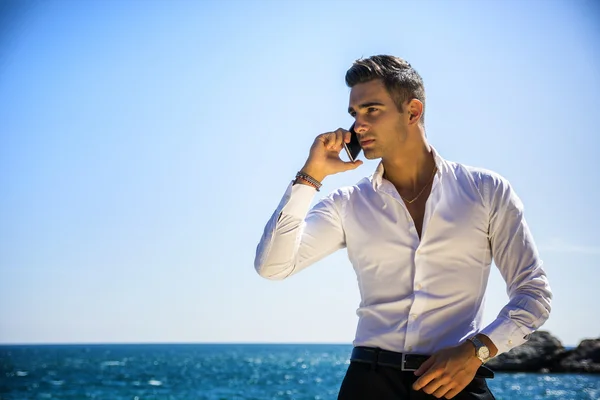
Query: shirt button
{"points": [[419, 287], [413, 316], [409, 348], [510, 342]]}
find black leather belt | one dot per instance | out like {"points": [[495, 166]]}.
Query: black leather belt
{"points": [[401, 361]]}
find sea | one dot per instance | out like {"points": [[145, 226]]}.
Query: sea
{"points": [[219, 372]]}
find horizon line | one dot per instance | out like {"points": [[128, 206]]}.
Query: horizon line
{"points": [[163, 343], [2, 344]]}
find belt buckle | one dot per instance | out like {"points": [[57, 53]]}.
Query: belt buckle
{"points": [[403, 361]]}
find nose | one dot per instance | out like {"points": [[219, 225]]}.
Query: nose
{"points": [[360, 126]]}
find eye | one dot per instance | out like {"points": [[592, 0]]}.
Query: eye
{"points": [[371, 110], [353, 114]]}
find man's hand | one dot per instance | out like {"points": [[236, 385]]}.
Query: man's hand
{"points": [[324, 158], [448, 371]]}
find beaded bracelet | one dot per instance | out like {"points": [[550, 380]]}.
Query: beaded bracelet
{"points": [[309, 179], [301, 180]]}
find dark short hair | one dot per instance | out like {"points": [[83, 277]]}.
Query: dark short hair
{"points": [[401, 80]]}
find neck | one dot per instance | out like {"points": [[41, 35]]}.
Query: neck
{"points": [[410, 167]]}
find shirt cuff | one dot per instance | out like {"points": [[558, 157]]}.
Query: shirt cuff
{"points": [[505, 334], [299, 197]]}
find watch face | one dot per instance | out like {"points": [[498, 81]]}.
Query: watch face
{"points": [[483, 352]]}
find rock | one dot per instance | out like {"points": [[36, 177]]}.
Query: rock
{"points": [[584, 358], [541, 352], [544, 353]]}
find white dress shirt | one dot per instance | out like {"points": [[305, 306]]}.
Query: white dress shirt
{"points": [[418, 295]]}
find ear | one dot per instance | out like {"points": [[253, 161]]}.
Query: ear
{"points": [[414, 109]]}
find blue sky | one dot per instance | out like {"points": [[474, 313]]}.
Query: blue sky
{"points": [[144, 145]]}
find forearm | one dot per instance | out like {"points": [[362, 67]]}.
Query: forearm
{"points": [[528, 290], [276, 250], [295, 238], [522, 316]]}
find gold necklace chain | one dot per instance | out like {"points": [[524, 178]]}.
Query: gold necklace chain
{"points": [[422, 190]]}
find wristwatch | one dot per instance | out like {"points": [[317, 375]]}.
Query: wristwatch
{"points": [[481, 350]]}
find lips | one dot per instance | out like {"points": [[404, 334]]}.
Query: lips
{"points": [[366, 142]]}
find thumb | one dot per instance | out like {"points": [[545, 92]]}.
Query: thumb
{"points": [[353, 165]]}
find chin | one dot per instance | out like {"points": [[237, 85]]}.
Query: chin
{"points": [[371, 155]]}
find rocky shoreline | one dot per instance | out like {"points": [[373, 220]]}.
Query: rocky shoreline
{"points": [[544, 353]]}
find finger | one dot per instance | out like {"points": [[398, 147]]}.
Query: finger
{"points": [[347, 137], [424, 380], [329, 140], [437, 384], [453, 392], [432, 386], [425, 366], [442, 391], [339, 138]]}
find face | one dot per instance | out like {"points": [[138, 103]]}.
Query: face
{"points": [[380, 127]]}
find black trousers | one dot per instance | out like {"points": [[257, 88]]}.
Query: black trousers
{"points": [[363, 382]]}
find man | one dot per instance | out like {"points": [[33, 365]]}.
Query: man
{"points": [[421, 233]]}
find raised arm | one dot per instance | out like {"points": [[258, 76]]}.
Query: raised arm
{"points": [[295, 238]]}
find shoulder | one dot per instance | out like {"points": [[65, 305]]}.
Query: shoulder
{"points": [[494, 188], [481, 177]]}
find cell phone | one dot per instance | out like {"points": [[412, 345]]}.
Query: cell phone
{"points": [[353, 148]]}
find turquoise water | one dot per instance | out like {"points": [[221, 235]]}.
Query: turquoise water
{"points": [[215, 372]]}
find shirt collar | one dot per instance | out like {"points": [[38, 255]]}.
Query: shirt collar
{"points": [[377, 177]]}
